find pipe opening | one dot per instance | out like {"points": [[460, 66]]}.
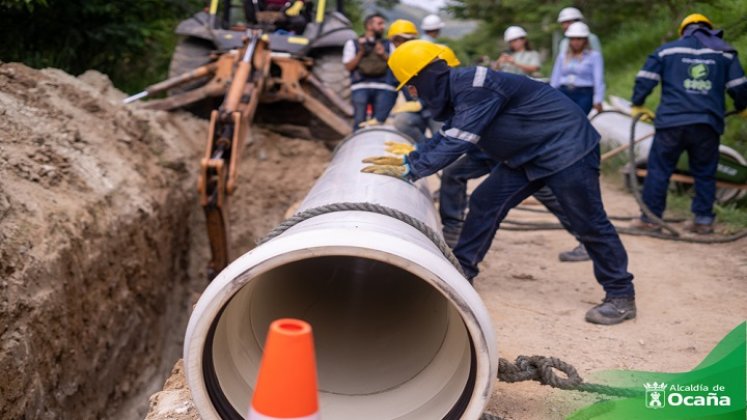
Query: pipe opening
{"points": [[388, 344]]}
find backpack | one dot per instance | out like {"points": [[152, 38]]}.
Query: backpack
{"points": [[372, 64]]}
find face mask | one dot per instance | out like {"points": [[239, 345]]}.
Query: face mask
{"points": [[432, 84]]}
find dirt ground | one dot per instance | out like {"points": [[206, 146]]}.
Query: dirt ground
{"points": [[689, 297], [102, 241], [93, 199]]}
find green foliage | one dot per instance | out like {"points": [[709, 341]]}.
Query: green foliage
{"points": [[388, 4], [131, 41], [354, 13], [539, 17], [731, 216], [21, 4]]}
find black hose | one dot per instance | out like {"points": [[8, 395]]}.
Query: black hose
{"points": [[618, 218], [675, 236]]}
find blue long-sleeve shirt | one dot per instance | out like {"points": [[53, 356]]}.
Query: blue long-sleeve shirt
{"points": [[693, 80], [586, 71], [515, 120]]}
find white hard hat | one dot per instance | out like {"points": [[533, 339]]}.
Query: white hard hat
{"points": [[577, 30], [569, 13], [432, 23], [514, 32]]}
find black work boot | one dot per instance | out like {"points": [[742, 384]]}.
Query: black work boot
{"points": [[613, 310], [576, 254]]}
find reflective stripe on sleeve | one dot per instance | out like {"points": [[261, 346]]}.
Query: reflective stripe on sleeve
{"points": [[648, 75], [736, 82], [480, 74], [693, 51], [372, 85], [462, 135]]}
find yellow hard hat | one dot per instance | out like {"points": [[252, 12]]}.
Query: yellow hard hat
{"points": [[694, 18], [449, 56], [403, 28], [409, 58]]}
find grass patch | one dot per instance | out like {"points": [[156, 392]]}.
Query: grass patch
{"points": [[732, 217]]}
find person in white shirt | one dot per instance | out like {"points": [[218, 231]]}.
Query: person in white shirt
{"points": [[372, 82]]}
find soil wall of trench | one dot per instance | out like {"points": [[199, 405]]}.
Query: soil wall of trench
{"points": [[102, 243]]}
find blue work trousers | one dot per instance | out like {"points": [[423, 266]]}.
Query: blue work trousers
{"points": [[582, 96], [577, 191], [381, 101], [452, 201], [414, 125], [453, 191], [701, 143]]}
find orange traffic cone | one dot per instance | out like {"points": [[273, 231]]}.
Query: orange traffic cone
{"points": [[286, 386]]}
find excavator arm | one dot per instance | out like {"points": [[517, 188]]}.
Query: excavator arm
{"points": [[228, 130], [243, 78]]}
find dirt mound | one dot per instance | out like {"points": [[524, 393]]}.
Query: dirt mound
{"points": [[94, 198], [102, 243]]}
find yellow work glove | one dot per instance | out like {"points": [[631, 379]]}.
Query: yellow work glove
{"points": [[743, 113], [369, 123], [396, 148], [409, 106], [385, 160], [294, 10], [647, 114], [397, 171]]}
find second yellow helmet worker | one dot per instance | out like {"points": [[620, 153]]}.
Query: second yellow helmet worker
{"points": [[403, 28]]}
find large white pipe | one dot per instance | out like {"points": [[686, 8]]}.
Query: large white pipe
{"points": [[399, 333]]}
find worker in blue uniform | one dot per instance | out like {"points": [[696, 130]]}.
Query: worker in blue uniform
{"points": [[538, 136], [694, 72]]}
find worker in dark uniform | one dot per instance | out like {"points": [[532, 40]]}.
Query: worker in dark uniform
{"points": [[694, 72], [539, 137]]}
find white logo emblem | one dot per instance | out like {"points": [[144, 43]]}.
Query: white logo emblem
{"points": [[656, 395]]}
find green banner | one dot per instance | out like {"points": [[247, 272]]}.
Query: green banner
{"points": [[715, 389]]}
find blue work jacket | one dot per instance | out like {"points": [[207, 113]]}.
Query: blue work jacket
{"points": [[515, 120], [693, 80]]}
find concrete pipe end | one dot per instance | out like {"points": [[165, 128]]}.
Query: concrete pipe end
{"points": [[399, 334]]}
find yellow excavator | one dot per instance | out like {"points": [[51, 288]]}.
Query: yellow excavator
{"points": [[269, 56]]}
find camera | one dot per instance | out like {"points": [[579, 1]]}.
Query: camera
{"points": [[370, 43]]}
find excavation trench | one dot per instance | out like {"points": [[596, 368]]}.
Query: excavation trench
{"points": [[102, 243]]}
